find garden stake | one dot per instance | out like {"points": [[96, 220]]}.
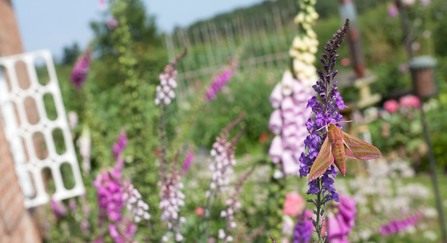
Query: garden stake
{"points": [[431, 160]]}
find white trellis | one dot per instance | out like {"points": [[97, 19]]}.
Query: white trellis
{"points": [[17, 131]]}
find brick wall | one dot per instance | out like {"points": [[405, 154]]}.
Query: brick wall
{"points": [[16, 223]]}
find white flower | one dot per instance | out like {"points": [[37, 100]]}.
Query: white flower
{"points": [[221, 234]]}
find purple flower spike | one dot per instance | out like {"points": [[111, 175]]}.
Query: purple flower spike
{"points": [[187, 162], [326, 111], [303, 228], [80, 70]]}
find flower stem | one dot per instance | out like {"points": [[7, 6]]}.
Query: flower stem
{"points": [[319, 206]]}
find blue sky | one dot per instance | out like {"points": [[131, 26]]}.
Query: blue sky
{"points": [[53, 24]]}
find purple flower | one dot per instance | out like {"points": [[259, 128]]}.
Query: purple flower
{"points": [[80, 70], [393, 11], [58, 208], [187, 162], [120, 145], [398, 225], [326, 111], [112, 23], [303, 228]]}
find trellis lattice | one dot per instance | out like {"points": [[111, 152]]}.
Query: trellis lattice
{"points": [[18, 128]]}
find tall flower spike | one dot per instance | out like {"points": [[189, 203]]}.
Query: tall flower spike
{"points": [[222, 159], [326, 111], [165, 91], [80, 69], [303, 228], [171, 201], [289, 97], [222, 79], [233, 206]]}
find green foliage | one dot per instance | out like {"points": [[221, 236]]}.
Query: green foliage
{"points": [[70, 54]]}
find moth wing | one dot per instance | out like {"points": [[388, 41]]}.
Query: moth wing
{"points": [[322, 162], [349, 153], [359, 149]]}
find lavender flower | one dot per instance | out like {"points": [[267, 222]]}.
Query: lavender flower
{"points": [[165, 91], [58, 208], [222, 79], [222, 161], [187, 162], [303, 228], [171, 201], [325, 112], [80, 69]]}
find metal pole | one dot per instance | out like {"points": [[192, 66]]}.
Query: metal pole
{"points": [[431, 160], [405, 27]]}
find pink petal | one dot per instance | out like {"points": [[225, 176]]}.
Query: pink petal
{"points": [[276, 96], [276, 149], [275, 122]]}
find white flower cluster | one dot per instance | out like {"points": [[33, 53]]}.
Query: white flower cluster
{"points": [[305, 46], [165, 91], [135, 205], [171, 201], [233, 206], [221, 165], [382, 194]]}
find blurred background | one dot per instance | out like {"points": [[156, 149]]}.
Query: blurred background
{"points": [[64, 108]]}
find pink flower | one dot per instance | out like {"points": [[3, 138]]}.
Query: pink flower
{"points": [[410, 101], [425, 2], [112, 23], [80, 70], [294, 205], [392, 10], [391, 106], [342, 223], [200, 211]]}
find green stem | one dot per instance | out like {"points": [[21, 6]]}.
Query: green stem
{"points": [[319, 207]]}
